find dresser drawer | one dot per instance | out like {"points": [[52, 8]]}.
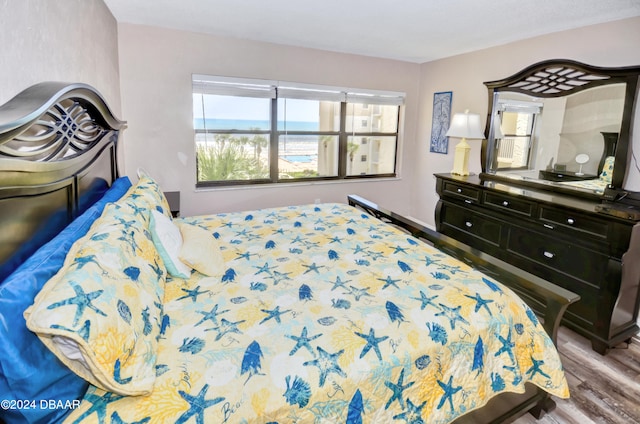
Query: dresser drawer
{"points": [[460, 191], [468, 226], [553, 217], [556, 260], [583, 313], [508, 203], [557, 237]]}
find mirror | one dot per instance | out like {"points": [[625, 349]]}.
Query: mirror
{"points": [[561, 125], [581, 159]]}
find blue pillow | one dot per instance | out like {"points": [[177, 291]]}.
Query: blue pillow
{"points": [[28, 370], [52, 226]]}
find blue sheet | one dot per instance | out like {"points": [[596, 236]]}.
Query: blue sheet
{"points": [[22, 355]]}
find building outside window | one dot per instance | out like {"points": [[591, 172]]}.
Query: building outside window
{"points": [[257, 131]]}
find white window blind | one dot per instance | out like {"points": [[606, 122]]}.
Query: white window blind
{"points": [[227, 86], [520, 106], [376, 97], [310, 92], [231, 86]]}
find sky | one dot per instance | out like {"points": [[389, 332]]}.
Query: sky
{"points": [[228, 107]]}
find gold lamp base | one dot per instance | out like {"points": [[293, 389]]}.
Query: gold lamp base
{"points": [[461, 158]]}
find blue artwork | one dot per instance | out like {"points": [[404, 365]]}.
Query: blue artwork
{"points": [[440, 122]]}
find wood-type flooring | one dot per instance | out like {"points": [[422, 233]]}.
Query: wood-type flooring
{"points": [[604, 389]]}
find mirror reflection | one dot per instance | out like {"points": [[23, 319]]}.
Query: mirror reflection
{"points": [[569, 140]]}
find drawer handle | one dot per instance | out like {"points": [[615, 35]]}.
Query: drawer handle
{"points": [[570, 221], [468, 201], [549, 226], [468, 224], [459, 190], [549, 254], [505, 203]]}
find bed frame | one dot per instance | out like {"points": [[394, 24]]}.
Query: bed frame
{"points": [[58, 146]]}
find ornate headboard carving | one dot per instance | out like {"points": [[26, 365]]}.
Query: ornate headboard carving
{"points": [[58, 153]]}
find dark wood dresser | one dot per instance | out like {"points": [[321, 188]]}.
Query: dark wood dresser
{"points": [[560, 238]]}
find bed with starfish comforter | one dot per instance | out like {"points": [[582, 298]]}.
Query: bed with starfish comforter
{"points": [[304, 314], [111, 311]]}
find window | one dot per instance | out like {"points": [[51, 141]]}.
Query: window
{"points": [[515, 138], [378, 137], [257, 131]]}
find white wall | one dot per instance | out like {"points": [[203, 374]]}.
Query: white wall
{"points": [[155, 69], [79, 41], [70, 40], [610, 44]]}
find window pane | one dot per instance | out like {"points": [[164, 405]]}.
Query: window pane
{"points": [[228, 157], [517, 123], [237, 140], [371, 155], [308, 115], [230, 113], [371, 118], [513, 152], [305, 156]]}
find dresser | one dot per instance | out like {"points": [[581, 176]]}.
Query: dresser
{"points": [[565, 240]]}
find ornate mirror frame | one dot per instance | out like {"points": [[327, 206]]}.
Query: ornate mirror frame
{"points": [[558, 78]]}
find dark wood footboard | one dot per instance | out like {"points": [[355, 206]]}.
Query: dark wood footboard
{"points": [[555, 301]]}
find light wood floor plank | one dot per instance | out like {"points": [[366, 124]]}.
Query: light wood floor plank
{"points": [[604, 389]]}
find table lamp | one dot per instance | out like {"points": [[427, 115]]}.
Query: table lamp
{"points": [[464, 126]]}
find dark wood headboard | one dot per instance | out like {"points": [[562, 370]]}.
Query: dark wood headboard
{"points": [[58, 154]]}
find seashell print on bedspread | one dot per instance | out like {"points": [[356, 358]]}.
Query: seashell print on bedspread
{"points": [[325, 314]]}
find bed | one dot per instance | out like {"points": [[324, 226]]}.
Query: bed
{"points": [[113, 311]]}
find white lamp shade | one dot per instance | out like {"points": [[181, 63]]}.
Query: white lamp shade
{"points": [[465, 125]]}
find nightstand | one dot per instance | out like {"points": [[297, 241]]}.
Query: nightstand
{"points": [[173, 198]]}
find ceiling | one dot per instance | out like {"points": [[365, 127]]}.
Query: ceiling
{"points": [[409, 30]]}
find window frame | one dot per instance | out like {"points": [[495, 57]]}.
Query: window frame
{"points": [[525, 107], [230, 85]]}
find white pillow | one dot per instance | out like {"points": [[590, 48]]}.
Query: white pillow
{"points": [[201, 250], [168, 241]]}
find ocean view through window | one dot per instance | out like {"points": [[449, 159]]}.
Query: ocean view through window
{"points": [[257, 131]]}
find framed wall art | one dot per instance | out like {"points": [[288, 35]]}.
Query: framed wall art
{"points": [[440, 122]]}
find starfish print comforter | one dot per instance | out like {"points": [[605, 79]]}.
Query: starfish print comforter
{"points": [[324, 314]]}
